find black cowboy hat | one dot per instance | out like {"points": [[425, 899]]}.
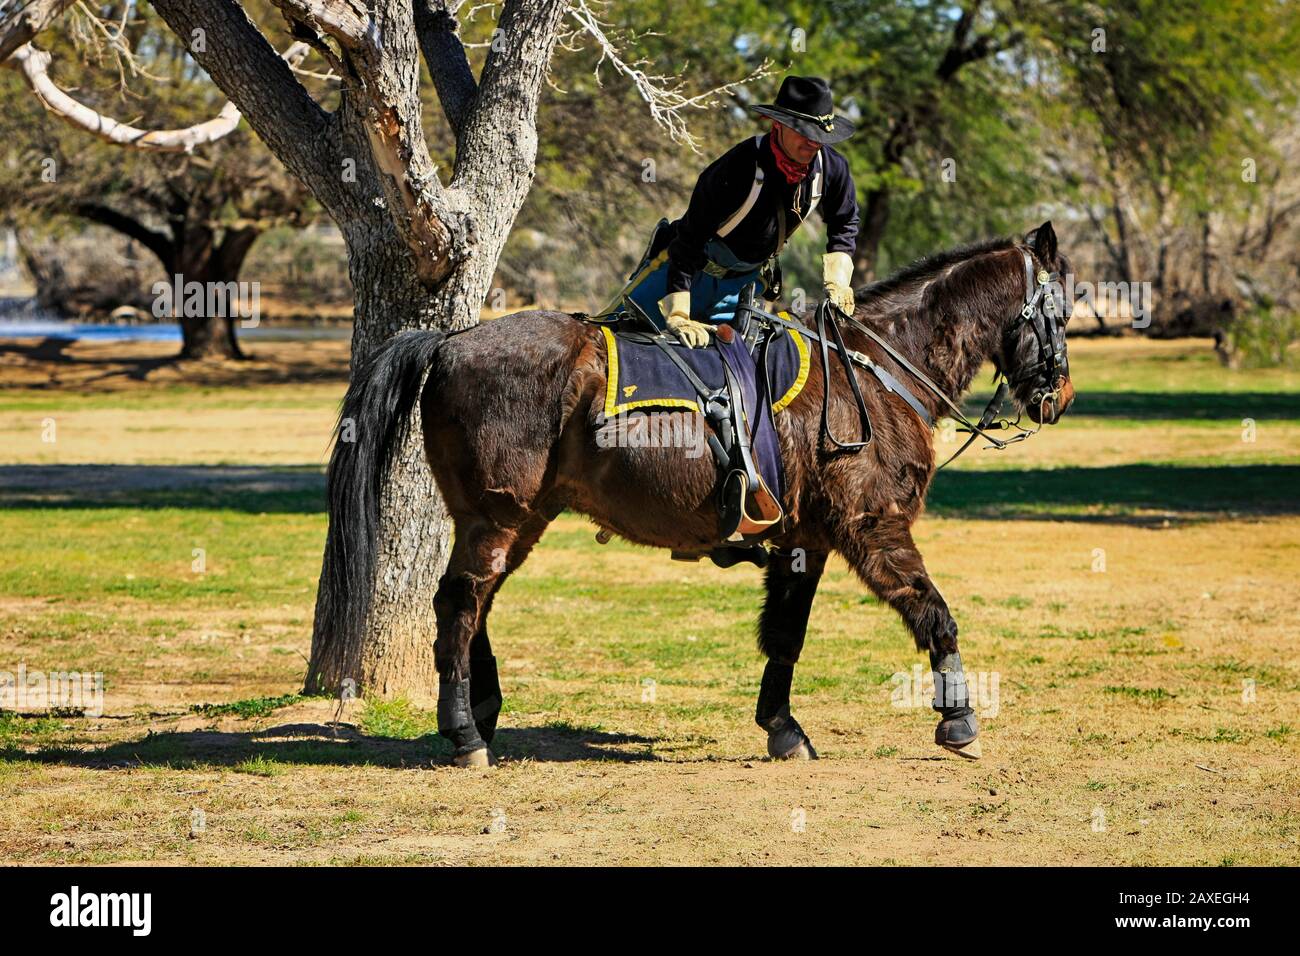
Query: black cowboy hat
{"points": [[805, 104]]}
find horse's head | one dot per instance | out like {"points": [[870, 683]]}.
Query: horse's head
{"points": [[1032, 354]]}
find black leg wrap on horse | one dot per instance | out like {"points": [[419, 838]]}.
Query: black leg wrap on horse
{"points": [[774, 692], [952, 699], [456, 717], [484, 695]]}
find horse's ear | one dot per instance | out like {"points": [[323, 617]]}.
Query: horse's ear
{"points": [[1045, 242]]}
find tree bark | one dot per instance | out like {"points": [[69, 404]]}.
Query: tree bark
{"points": [[421, 253], [494, 168], [200, 258], [393, 655], [23, 25]]}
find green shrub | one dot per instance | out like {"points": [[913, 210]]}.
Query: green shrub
{"points": [[1263, 336]]}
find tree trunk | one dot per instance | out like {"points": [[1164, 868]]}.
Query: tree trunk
{"points": [[875, 217], [875, 212], [205, 336], [198, 257], [393, 654], [421, 252]]}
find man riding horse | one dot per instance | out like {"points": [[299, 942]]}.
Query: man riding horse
{"points": [[744, 208], [512, 412]]}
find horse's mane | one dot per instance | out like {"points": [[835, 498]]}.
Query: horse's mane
{"points": [[931, 310], [877, 294]]}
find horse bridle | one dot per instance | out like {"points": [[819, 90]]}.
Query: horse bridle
{"points": [[1052, 367]]}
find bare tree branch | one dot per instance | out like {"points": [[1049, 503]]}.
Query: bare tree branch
{"points": [[34, 65], [662, 94], [444, 54], [159, 243], [21, 27], [247, 68]]}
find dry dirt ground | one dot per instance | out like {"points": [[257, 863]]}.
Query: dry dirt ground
{"points": [[1125, 584]]}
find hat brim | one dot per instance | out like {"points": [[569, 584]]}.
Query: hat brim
{"points": [[842, 128]]}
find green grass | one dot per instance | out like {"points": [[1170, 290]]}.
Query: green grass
{"points": [[311, 398], [105, 580], [251, 557], [1186, 369], [247, 709], [398, 719], [259, 766]]}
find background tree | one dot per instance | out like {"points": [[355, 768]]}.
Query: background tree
{"points": [[196, 194], [1181, 159]]}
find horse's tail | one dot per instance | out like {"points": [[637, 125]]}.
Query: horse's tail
{"points": [[375, 411]]}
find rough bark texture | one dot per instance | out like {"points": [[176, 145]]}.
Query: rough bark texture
{"points": [[421, 252], [394, 655]]}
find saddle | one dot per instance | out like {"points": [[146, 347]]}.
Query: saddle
{"points": [[732, 384]]}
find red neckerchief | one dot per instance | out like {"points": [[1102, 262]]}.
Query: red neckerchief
{"points": [[793, 172]]}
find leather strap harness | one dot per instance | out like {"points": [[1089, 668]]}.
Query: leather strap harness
{"points": [[722, 407]]}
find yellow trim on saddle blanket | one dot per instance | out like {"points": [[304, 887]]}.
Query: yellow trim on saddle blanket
{"points": [[614, 407], [801, 379]]}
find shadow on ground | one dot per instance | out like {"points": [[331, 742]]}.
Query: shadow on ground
{"points": [[320, 744], [1117, 492], [54, 349], [62, 369], [254, 489], [1138, 494]]}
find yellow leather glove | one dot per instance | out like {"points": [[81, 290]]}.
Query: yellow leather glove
{"points": [[677, 307], [837, 274]]}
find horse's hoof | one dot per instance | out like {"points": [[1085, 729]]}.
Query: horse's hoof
{"points": [[971, 751], [475, 758], [960, 735], [786, 739], [802, 751]]}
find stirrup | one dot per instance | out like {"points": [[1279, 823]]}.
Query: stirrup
{"points": [[768, 509]]}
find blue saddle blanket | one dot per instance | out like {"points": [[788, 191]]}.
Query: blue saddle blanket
{"points": [[640, 377]]}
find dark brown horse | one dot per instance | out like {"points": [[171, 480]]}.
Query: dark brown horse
{"points": [[510, 412]]}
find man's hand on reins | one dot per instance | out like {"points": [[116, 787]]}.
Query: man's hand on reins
{"points": [[677, 307], [837, 273]]}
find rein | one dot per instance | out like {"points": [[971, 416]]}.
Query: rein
{"points": [[1051, 360]]}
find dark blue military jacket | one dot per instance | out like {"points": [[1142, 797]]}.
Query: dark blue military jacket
{"points": [[722, 190]]}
